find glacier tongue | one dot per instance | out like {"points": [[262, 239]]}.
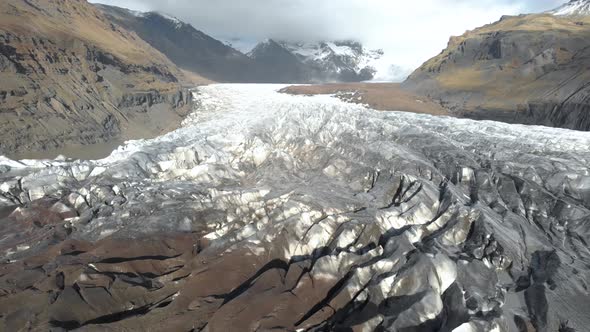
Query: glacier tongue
{"points": [[324, 214]]}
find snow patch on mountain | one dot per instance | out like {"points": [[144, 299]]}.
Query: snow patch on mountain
{"points": [[574, 7], [337, 55], [171, 18], [350, 55], [135, 13], [341, 49], [177, 22]]}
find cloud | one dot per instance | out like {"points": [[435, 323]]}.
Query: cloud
{"points": [[409, 31]]}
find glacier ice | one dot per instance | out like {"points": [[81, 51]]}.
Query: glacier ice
{"points": [[411, 221]]}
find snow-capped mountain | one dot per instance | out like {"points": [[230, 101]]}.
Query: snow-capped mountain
{"points": [[187, 47], [270, 61], [316, 62], [328, 61], [574, 7], [348, 59], [177, 23]]}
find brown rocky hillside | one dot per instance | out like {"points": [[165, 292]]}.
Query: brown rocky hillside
{"points": [[71, 77], [529, 69]]}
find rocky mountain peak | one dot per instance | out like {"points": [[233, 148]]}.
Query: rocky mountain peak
{"points": [[348, 58], [572, 8], [270, 49], [330, 61], [267, 45]]}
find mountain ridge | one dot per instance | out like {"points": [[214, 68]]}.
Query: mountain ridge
{"points": [[520, 69], [319, 62], [187, 47], [274, 61], [344, 60]]}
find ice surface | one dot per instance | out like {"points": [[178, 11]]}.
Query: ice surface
{"points": [[427, 213]]}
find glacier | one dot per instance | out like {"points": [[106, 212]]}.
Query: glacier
{"points": [[311, 214]]}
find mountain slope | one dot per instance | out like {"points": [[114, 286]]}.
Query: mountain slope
{"points": [[269, 61], [337, 61], [526, 69], [69, 76], [187, 47], [279, 64], [574, 7]]}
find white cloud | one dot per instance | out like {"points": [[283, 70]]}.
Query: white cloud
{"points": [[409, 31]]}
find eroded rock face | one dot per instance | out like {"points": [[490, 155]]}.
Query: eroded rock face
{"points": [[526, 69], [268, 211], [71, 77]]}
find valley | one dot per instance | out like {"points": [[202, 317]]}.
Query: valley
{"points": [[155, 178], [326, 215]]}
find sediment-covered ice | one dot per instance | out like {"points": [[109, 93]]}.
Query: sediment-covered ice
{"points": [[401, 221]]}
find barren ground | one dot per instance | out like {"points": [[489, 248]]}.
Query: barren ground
{"points": [[380, 96]]}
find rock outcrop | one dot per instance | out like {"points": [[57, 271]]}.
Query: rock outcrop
{"points": [[530, 69], [70, 76]]}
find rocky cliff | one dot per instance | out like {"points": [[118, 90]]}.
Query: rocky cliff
{"points": [[530, 69], [70, 76]]}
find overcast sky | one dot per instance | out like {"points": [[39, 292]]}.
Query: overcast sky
{"points": [[410, 31]]}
